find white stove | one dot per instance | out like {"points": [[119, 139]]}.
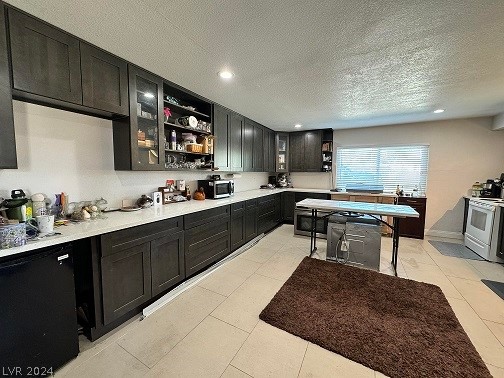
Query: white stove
{"points": [[484, 228]]}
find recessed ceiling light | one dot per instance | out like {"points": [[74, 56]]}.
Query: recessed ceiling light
{"points": [[438, 111], [297, 126], [148, 95], [226, 74]]}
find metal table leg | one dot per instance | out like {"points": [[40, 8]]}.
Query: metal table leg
{"points": [[395, 243], [313, 232]]}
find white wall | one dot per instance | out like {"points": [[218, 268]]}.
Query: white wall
{"points": [[461, 152], [60, 151]]}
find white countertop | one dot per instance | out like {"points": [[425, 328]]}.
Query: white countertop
{"points": [[120, 220], [400, 211]]}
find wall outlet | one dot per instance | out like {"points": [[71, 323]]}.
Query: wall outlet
{"points": [[157, 199]]}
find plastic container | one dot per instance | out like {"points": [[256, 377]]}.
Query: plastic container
{"points": [[38, 205], [476, 189], [12, 235]]}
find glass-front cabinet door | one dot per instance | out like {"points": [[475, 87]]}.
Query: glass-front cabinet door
{"points": [[282, 152], [146, 113]]}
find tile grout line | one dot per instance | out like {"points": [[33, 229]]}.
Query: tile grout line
{"points": [[120, 346], [304, 356], [192, 329], [238, 351], [493, 333], [472, 308], [232, 325]]}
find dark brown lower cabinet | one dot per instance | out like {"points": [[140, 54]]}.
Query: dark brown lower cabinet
{"points": [[288, 207], [126, 281], [269, 210], [120, 273], [413, 227], [167, 262], [250, 219], [238, 225], [205, 244], [138, 263]]}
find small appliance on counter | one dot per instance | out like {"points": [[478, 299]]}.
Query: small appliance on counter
{"points": [[282, 180], [486, 189], [216, 188], [492, 188], [16, 206]]}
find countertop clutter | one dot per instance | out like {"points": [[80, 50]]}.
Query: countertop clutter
{"points": [[120, 220]]}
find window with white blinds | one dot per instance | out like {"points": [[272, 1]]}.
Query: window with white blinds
{"points": [[389, 166]]}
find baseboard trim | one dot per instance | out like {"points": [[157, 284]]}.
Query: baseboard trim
{"points": [[444, 234]]}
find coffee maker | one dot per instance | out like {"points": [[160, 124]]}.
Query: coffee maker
{"points": [[492, 188]]}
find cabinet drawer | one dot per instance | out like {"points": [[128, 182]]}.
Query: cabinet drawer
{"points": [[251, 203], [118, 240], [201, 217], [237, 209], [265, 199], [299, 196], [411, 201], [206, 244], [340, 197], [368, 199]]}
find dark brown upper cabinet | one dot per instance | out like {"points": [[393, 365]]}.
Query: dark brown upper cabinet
{"points": [[236, 127], [248, 145], [305, 150], [45, 60], [139, 142], [228, 130], [258, 147], [104, 80], [221, 132], [258, 151], [7, 140], [269, 150]]}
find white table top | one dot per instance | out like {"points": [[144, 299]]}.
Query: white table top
{"points": [[399, 211]]}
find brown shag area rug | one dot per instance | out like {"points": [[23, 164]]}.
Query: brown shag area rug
{"points": [[399, 327]]}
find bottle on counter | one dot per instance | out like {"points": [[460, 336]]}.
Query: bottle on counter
{"points": [[415, 191], [398, 191]]}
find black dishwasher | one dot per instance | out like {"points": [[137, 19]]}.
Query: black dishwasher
{"points": [[38, 323]]}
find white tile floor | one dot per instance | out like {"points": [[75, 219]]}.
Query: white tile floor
{"points": [[213, 329]]}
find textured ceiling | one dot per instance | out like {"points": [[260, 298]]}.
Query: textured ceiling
{"points": [[328, 63]]}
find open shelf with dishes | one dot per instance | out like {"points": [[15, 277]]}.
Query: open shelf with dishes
{"points": [[189, 143], [185, 109], [202, 132], [327, 150]]}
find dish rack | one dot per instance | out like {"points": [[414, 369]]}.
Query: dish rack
{"points": [[194, 147]]}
